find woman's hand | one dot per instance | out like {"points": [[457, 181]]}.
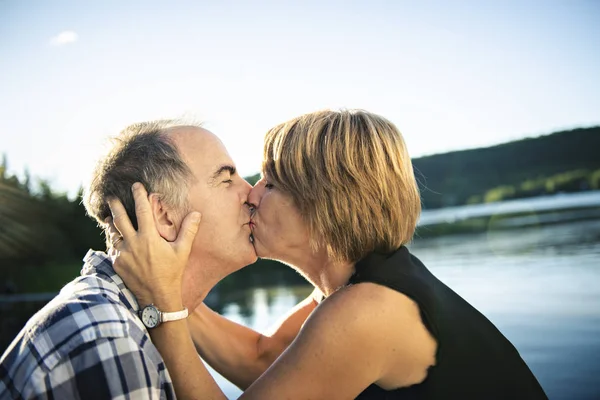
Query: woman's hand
{"points": [[151, 267]]}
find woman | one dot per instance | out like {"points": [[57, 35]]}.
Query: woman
{"points": [[338, 202]]}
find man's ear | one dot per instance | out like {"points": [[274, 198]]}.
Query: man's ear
{"points": [[164, 218]]}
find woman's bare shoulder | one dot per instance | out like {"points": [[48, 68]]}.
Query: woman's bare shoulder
{"points": [[373, 300], [385, 323]]}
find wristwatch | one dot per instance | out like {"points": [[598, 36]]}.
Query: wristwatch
{"points": [[152, 317]]}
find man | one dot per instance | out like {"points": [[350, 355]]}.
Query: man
{"points": [[91, 341]]}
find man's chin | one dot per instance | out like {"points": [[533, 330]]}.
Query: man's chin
{"points": [[252, 255], [252, 251]]}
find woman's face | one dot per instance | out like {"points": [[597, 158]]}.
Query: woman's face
{"points": [[278, 230]]}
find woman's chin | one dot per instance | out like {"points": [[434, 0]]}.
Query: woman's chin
{"points": [[261, 251]]}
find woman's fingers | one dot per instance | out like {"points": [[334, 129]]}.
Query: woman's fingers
{"points": [[120, 219], [143, 211], [111, 230], [187, 233]]}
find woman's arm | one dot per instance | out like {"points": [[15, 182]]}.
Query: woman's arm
{"points": [[239, 353], [152, 269], [191, 379]]}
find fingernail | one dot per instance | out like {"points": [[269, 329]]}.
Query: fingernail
{"points": [[135, 186], [196, 217]]}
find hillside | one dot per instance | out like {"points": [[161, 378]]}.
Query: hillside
{"points": [[562, 161]]}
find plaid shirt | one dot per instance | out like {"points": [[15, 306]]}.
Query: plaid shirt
{"points": [[87, 343]]}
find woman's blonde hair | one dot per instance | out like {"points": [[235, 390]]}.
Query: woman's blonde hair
{"points": [[350, 175]]}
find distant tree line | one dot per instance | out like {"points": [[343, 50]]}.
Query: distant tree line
{"points": [[566, 182], [38, 225], [564, 161]]}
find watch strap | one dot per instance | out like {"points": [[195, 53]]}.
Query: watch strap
{"points": [[173, 316]]}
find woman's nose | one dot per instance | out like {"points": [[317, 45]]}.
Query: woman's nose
{"points": [[256, 193]]}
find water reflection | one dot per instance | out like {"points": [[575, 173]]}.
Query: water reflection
{"points": [[264, 306]]}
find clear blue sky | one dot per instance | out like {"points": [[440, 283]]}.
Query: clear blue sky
{"points": [[450, 74]]}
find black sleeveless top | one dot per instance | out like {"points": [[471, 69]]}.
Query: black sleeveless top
{"points": [[473, 361]]}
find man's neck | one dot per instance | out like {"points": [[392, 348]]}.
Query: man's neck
{"points": [[198, 280]]}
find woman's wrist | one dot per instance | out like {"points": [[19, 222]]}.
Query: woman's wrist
{"points": [[166, 302]]}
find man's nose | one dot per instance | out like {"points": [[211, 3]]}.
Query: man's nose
{"points": [[246, 187]]}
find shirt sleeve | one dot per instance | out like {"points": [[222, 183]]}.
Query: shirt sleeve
{"points": [[106, 368]]}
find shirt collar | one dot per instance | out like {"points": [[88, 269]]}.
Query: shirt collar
{"points": [[98, 262]]}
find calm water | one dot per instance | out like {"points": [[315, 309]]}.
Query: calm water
{"points": [[540, 286]]}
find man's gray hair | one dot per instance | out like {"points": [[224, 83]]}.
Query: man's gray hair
{"points": [[142, 152]]}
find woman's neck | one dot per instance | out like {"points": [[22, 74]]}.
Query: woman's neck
{"points": [[324, 273]]}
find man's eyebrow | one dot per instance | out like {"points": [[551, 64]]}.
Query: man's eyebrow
{"points": [[223, 168]]}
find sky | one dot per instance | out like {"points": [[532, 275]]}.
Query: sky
{"points": [[450, 74]]}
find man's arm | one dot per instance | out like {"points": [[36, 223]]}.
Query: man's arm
{"points": [[103, 369], [239, 353]]}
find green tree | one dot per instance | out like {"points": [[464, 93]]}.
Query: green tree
{"points": [[253, 179]]}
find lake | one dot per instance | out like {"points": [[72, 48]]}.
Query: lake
{"points": [[539, 285]]}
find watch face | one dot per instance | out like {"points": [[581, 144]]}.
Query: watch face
{"points": [[150, 316]]}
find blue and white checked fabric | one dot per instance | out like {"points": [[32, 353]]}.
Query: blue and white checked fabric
{"points": [[87, 343]]}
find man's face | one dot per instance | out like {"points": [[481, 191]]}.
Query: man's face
{"points": [[222, 243]]}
